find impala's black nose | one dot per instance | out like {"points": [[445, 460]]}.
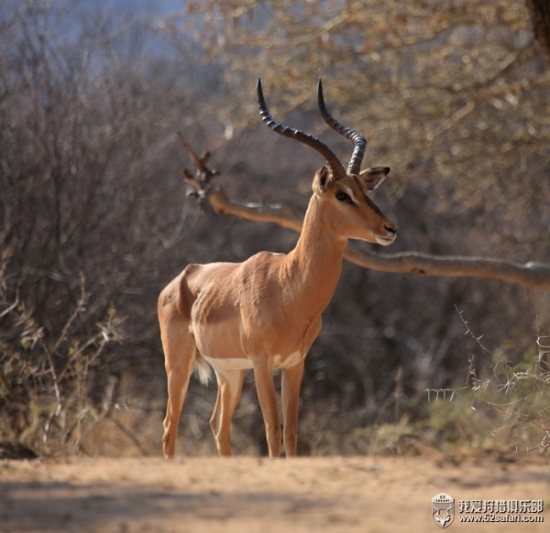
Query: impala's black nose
{"points": [[391, 229]]}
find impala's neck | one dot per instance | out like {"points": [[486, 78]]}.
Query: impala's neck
{"points": [[312, 269]]}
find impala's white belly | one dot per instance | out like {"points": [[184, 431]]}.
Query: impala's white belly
{"points": [[242, 363], [229, 363]]}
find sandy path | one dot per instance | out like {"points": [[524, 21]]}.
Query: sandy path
{"points": [[355, 494]]}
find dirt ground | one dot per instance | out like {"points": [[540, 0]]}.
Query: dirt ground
{"points": [[333, 494]]}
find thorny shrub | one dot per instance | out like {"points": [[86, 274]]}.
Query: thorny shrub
{"points": [[505, 408], [49, 397]]}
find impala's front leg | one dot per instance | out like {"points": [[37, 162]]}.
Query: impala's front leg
{"points": [[291, 381], [263, 374]]}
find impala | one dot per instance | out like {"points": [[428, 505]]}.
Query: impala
{"points": [[265, 313]]}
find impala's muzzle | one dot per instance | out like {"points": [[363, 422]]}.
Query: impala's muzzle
{"points": [[391, 234]]}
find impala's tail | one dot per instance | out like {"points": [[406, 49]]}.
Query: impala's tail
{"points": [[203, 371]]}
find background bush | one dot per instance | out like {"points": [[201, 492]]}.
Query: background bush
{"points": [[94, 220]]}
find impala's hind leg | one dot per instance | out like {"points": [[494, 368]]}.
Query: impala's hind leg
{"points": [[230, 384], [179, 359]]}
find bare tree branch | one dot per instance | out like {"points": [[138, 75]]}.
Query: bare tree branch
{"points": [[531, 275]]}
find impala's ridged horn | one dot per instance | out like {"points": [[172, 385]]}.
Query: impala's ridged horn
{"points": [[333, 162], [360, 142]]}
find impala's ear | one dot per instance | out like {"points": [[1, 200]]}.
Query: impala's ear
{"points": [[374, 176], [321, 181]]}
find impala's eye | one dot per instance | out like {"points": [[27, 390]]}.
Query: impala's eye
{"points": [[343, 197]]}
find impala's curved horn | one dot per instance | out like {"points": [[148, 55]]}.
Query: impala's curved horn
{"points": [[334, 163], [360, 142]]}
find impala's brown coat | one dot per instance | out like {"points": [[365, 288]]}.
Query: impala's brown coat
{"points": [[264, 313]]}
